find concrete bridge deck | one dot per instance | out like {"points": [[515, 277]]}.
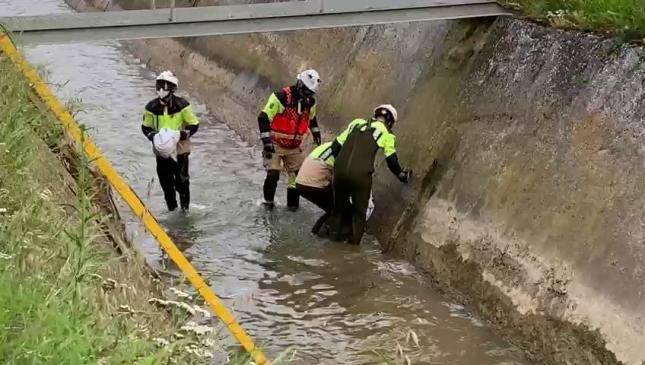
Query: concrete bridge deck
{"points": [[238, 19]]}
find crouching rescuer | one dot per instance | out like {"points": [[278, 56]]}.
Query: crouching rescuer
{"points": [[314, 181], [287, 117], [169, 122]]}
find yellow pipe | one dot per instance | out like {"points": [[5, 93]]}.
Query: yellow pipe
{"points": [[126, 192]]}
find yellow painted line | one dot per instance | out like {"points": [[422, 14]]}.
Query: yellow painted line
{"points": [[137, 206]]}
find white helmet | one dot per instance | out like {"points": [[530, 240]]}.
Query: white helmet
{"points": [[166, 83], [389, 108], [165, 142], [310, 79], [168, 76]]}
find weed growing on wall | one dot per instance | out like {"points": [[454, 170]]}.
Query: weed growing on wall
{"points": [[625, 18]]}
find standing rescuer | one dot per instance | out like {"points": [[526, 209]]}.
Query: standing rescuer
{"points": [[354, 166], [169, 112], [287, 117]]}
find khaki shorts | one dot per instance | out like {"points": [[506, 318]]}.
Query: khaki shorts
{"points": [[291, 159]]}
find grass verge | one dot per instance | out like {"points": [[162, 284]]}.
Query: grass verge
{"points": [[65, 296], [624, 18]]}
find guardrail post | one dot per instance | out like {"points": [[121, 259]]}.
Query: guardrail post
{"points": [[153, 4], [172, 10]]}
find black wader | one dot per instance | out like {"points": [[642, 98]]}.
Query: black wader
{"points": [[174, 178], [353, 171]]}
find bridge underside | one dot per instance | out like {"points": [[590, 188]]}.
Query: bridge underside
{"points": [[238, 19]]}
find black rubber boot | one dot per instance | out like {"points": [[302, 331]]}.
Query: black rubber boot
{"points": [[324, 230], [171, 204], [184, 200], [270, 186], [182, 181], [319, 224], [293, 199]]}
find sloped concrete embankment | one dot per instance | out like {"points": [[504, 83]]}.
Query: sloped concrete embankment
{"points": [[538, 213], [534, 215]]}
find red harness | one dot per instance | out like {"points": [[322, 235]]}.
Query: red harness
{"points": [[290, 126]]}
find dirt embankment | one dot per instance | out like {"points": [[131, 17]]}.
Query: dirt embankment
{"points": [[534, 215]]}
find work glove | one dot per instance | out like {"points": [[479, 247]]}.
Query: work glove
{"points": [[405, 176], [268, 151], [183, 135], [317, 138], [151, 136]]}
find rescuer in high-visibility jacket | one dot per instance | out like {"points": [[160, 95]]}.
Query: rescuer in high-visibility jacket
{"points": [[287, 117], [355, 150], [171, 112], [314, 183]]}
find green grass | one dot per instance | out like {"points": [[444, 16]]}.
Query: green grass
{"points": [[55, 258], [620, 17], [49, 244]]}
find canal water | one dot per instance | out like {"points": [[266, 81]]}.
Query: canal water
{"points": [[333, 303]]}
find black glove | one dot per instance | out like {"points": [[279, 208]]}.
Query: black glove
{"points": [[151, 136], [268, 151], [405, 176], [183, 135], [317, 138]]}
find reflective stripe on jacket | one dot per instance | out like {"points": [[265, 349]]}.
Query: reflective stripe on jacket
{"points": [[176, 115], [324, 153], [385, 139]]}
